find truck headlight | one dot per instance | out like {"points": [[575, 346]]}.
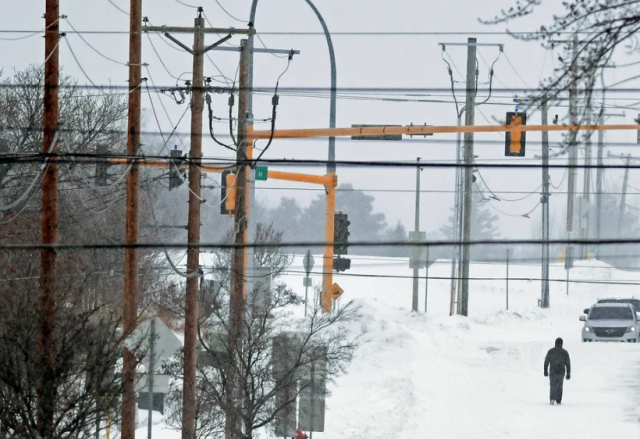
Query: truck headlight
{"points": [[631, 329]]}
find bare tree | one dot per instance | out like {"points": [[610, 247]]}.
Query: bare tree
{"points": [[259, 379], [600, 27], [248, 384], [90, 282], [86, 380]]}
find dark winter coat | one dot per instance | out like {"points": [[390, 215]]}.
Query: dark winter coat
{"points": [[558, 359]]}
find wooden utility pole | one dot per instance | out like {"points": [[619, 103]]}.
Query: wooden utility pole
{"points": [[132, 218], [599, 176], [47, 295], [468, 174], [193, 234], [238, 302], [585, 205], [573, 151], [193, 226]]}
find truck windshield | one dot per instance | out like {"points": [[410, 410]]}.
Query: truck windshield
{"points": [[611, 313]]}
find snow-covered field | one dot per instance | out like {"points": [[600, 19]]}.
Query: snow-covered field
{"points": [[435, 376]]}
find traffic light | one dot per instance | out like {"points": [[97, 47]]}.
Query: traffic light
{"points": [[102, 165], [515, 141], [341, 264], [228, 193], [341, 233], [175, 177]]}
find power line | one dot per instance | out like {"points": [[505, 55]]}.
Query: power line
{"points": [[94, 49], [117, 7], [305, 33], [284, 244], [29, 33]]}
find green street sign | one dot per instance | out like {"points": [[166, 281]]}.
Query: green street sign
{"points": [[261, 172]]}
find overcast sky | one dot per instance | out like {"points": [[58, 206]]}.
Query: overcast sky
{"points": [[362, 61]]}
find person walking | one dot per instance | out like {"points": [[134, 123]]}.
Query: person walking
{"points": [[556, 363]]}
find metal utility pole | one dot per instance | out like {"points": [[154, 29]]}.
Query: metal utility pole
{"points": [[544, 299], [152, 366], [623, 200], [48, 256], [416, 267], [468, 173], [132, 218], [573, 150], [193, 234], [238, 263]]}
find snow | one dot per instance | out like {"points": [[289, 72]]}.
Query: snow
{"points": [[436, 376]]}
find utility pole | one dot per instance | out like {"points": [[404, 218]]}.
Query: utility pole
{"points": [[416, 267], [573, 150], [426, 283], [48, 256], [623, 200], [238, 303], [544, 300], [457, 228], [586, 189], [193, 225], [468, 173], [193, 233], [128, 429], [599, 176]]}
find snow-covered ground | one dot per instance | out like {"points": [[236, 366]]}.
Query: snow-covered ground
{"points": [[435, 376]]}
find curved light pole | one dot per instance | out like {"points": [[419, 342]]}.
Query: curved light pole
{"points": [[327, 269]]}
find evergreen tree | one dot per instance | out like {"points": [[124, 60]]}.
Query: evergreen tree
{"points": [[483, 227]]}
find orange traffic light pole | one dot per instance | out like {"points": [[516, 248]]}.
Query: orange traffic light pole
{"points": [[330, 182], [323, 180], [425, 129]]}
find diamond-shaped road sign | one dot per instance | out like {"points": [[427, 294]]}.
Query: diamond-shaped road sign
{"points": [[308, 262], [336, 291], [166, 342]]}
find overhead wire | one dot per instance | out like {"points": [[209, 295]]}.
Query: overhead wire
{"points": [[117, 7], [274, 103], [165, 142], [93, 48], [160, 58], [29, 33], [82, 69]]}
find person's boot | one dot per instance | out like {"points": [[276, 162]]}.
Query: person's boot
{"points": [[552, 402], [559, 401]]}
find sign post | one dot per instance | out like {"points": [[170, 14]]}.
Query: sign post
{"points": [[153, 341], [308, 266]]}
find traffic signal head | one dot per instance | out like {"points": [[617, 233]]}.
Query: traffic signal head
{"points": [[102, 165], [175, 179], [341, 264], [341, 233], [515, 140], [228, 193]]}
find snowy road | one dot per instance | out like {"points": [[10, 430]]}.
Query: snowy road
{"points": [[450, 377]]}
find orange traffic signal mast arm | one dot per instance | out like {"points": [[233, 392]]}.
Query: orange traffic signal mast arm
{"points": [[323, 180], [425, 129]]}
